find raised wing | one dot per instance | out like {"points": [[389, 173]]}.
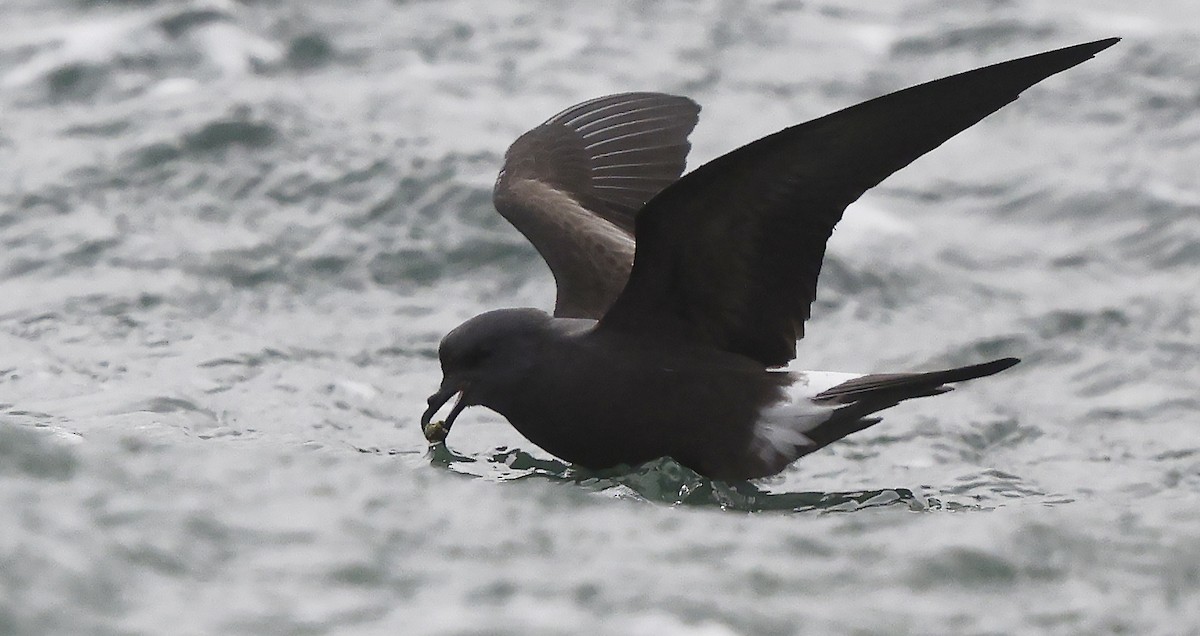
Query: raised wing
{"points": [[574, 184], [728, 256]]}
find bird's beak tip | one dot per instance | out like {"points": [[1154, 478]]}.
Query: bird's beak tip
{"points": [[436, 432]]}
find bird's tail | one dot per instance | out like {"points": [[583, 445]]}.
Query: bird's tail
{"points": [[902, 386], [869, 394]]}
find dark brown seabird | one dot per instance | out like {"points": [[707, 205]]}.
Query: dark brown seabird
{"points": [[674, 349]]}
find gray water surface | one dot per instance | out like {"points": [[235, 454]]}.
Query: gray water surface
{"points": [[232, 234]]}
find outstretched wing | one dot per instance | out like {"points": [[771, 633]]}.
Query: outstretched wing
{"points": [[728, 256], [574, 184]]}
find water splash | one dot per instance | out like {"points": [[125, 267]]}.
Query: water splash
{"points": [[666, 481]]}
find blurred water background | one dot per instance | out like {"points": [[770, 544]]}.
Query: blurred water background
{"points": [[232, 234]]}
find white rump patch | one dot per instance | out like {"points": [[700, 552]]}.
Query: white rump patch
{"points": [[779, 433]]}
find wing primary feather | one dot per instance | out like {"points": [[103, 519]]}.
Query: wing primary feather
{"points": [[589, 115], [637, 124], [651, 132], [577, 204], [729, 255], [640, 114]]}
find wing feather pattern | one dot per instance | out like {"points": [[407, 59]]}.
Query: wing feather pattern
{"points": [[728, 256], [574, 185]]}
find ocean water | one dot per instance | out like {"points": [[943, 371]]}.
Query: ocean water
{"points": [[232, 234]]}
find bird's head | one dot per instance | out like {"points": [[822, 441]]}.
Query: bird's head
{"points": [[481, 360]]}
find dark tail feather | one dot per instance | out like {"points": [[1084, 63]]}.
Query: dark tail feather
{"points": [[872, 393], [885, 386]]}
